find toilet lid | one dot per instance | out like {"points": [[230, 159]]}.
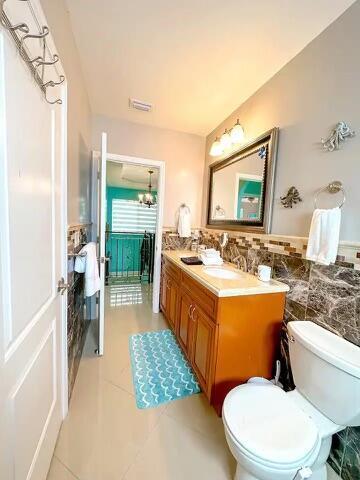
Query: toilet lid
{"points": [[266, 423]]}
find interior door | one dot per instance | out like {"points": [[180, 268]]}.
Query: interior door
{"points": [[32, 238], [102, 243]]}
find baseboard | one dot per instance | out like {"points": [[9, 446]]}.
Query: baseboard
{"points": [[332, 475]]}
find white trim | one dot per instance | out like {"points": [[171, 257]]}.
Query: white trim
{"points": [[160, 164], [64, 387]]}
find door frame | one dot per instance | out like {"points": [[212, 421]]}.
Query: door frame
{"points": [[160, 164], [64, 254]]}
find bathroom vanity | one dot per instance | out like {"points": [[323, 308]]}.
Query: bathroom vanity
{"points": [[226, 321]]}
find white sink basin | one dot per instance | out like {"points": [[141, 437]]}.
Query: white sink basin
{"points": [[222, 273]]}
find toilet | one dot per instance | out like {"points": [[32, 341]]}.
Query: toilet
{"points": [[286, 436]]}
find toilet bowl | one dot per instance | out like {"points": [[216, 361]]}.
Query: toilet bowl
{"points": [[270, 437], [272, 434]]}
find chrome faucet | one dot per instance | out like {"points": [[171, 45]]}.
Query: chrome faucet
{"points": [[241, 263]]}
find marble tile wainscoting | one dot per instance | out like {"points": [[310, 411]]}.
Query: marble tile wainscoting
{"points": [[77, 325], [327, 295]]}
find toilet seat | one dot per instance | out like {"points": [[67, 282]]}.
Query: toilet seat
{"points": [[268, 427]]}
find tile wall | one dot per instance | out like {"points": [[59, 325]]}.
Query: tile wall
{"points": [[77, 324], [327, 295]]}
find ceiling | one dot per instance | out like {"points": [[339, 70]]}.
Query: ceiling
{"points": [[130, 176], [196, 61]]}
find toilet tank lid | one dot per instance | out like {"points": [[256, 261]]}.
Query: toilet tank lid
{"points": [[327, 345]]}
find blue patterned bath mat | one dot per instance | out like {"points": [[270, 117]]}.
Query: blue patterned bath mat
{"points": [[160, 370]]}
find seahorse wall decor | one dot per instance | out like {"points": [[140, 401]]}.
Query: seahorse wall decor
{"points": [[291, 198], [338, 134]]}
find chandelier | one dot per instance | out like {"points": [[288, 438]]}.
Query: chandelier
{"points": [[147, 198]]}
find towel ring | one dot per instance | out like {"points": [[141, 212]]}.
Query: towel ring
{"points": [[333, 187]]}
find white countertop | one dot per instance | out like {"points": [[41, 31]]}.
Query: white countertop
{"points": [[246, 285]]}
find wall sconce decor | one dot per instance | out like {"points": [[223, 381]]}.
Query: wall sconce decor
{"points": [[291, 198], [338, 134], [229, 138]]}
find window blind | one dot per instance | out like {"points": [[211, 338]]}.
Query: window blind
{"points": [[131, 216]]}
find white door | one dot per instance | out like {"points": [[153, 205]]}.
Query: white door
{"points": [[32, 234], [103, 258]]}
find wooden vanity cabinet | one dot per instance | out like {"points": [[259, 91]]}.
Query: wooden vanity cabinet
{"points": [[227, 340], [169, 294], [203, 348]]}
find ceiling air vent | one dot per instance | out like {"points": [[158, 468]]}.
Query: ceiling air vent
{"points": [[139, 105]]}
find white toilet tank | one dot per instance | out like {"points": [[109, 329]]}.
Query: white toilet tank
{"points": [[326, 370]]}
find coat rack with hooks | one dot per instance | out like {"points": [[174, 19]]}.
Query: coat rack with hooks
{"points": [[20, 33]]}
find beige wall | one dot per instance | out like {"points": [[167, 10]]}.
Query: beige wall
{"points": [[318, 88], [182, 153], [79, 113]]}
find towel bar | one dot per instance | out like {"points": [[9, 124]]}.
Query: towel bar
{"points": [[332, 187], [73, 255]]}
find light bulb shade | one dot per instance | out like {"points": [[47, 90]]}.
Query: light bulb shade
{"points": [[237, 133], [216, 148], [141, 197], [148, 197], [225, 140]]}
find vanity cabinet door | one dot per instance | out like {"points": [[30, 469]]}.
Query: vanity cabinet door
{"points": [[184, 334], [202, 352], [172, 303], [163, 293]]}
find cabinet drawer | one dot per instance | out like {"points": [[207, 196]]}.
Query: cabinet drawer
{"points": [[205, 299], [172, 270]]}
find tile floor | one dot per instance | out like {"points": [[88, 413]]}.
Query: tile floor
{"points": [[105, 436]]}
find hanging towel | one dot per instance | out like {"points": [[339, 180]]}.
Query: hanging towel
{"points": [[324, 235], [184, 222], [88, 264]]}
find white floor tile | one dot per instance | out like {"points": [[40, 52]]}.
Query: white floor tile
{"points": [[175, 452], [105, 436], [59, 472]]}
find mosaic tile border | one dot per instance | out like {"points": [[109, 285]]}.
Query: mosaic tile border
{"points": [[348, 254]]}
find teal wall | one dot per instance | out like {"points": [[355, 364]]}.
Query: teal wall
{"points": [[248, 188], [123, 249]]}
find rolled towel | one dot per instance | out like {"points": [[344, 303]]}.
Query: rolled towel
{"points": [[211, 252], [211, 261]]}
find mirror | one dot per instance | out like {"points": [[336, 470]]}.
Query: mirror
{"points": [[241, 187]]}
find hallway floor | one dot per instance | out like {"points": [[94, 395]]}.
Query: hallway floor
{"points": [[105, 436]]}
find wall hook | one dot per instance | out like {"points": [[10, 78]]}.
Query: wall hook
{"points": [[22, 27], [52, 102], [45, 31], [41, 62], [51, 83]]}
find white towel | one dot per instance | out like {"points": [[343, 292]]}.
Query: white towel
{"points": [[184, 222], [88, 264], [211, 252], [324, 235], [211, 261]]}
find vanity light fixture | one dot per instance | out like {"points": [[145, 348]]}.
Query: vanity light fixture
{"points": [[229, 138], [225, 140], [237, 133], [147, 198], [216, 148]]}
